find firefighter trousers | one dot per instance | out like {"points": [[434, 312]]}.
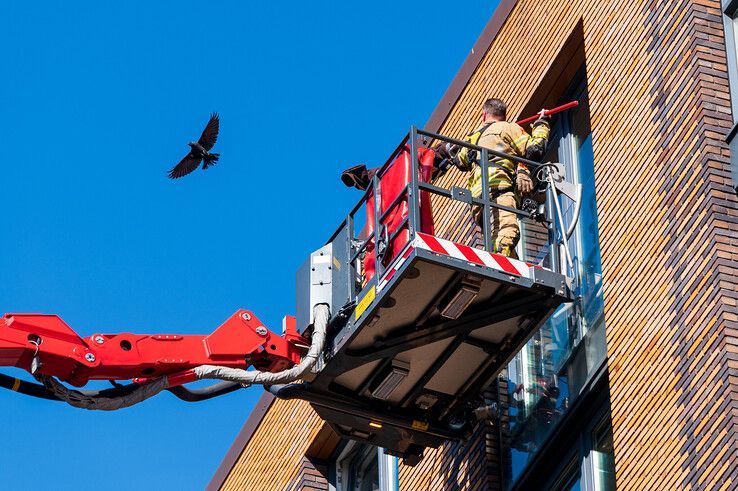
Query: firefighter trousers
{"points": [[505, 228]]}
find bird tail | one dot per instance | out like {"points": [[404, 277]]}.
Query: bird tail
{"points": [[210, 159]]}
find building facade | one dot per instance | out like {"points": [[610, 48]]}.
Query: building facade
{"points": [[634, 385]]}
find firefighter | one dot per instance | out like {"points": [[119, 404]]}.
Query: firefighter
{"points": [[508, 180]]}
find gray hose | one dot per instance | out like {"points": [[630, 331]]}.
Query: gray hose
{"points": [[320, 325], [84, 401]]}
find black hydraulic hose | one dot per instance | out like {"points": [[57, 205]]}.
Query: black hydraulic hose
{"points": [[40, 390], [188, 395], [197, 395], [26, 388]]}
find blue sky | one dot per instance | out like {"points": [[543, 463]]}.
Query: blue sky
{"points": [[99, 100]]}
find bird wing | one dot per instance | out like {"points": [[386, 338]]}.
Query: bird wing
{"points": [[185, 166], [210, 133]]}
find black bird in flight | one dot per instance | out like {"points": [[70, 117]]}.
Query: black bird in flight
{"points": [[199, 150]]}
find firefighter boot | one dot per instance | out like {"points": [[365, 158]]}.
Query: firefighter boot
{"points": [[506, 231], [505, 249]]}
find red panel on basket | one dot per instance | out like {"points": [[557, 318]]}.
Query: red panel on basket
{"points": [[391, 183]]}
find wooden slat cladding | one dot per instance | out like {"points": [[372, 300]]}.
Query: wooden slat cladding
{"points": [[660, 110], [274, 458]]}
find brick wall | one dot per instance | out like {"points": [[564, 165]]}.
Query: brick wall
{"points": [[312, 475], [454, 466]]}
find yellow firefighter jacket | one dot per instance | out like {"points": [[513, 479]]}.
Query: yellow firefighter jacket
{"points": [[505, 137]]}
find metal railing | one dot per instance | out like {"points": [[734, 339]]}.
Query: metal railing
{"points": [[380, 239]]}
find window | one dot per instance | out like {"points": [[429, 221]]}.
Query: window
{"points": [[367, 478], [562, 357], [593, 465], [362, 467], [571, 479], [734, 26], [603, 458], [730, 25]]}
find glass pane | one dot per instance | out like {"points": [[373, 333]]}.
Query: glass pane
{"points": [[604, 459], [361, 469], [572, 479], [735, 34], [590, 267], [575, 485], [551, 369], [370, 479]]}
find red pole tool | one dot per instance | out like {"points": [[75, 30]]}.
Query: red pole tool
{"points": [[549, 112]]}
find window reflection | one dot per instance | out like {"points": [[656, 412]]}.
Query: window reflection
{"points": [[570, 479], [537, 401], [555, 364], [604, 459], [370, 477], [574, 485]]}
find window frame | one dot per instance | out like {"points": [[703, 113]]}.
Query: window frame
{"points": [[351, 459], [730, 17], [568, 145], [570, 141], [730, 30], [549, 467], [572, 473]]}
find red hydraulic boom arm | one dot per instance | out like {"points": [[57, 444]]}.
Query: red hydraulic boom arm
{"points": [[45, 345]]}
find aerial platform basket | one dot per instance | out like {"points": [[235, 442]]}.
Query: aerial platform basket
{"points": [[420, 325]]}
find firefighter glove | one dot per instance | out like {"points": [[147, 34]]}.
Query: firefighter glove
{"points": [[441, 151], [440, 167], [466, 158], [542, 120], [523, 182], [452, 149]]}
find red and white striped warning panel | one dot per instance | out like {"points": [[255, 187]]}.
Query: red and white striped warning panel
{"points": [[477, 256], [393, 269]]}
